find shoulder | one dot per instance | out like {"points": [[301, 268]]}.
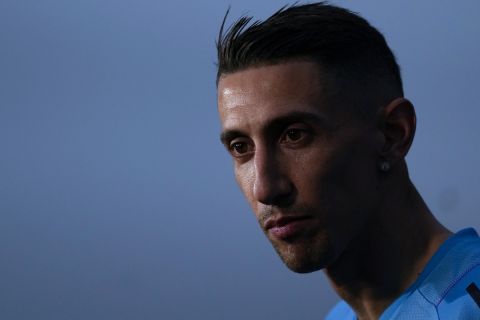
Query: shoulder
{"points": [[462, 300], [452, 287], [457, 266], [341, 311], [446, 289]]}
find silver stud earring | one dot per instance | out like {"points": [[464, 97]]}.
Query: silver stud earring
{"points": [[384, 166]]}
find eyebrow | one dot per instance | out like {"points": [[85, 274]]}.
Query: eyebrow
{"points": [[295, 116]]}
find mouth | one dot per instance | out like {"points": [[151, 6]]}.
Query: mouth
{"points": [[287, 227]]}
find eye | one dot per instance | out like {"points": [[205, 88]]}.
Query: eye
{"points": [[294, 134], [239, 148]]}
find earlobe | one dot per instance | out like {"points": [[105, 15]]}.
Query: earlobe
{"points": [[397, 125], [384, 166]]}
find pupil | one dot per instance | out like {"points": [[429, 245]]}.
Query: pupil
{"points": [[239, 147], [294, 135]]}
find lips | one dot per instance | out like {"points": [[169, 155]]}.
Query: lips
{"points": [[287, 227]]}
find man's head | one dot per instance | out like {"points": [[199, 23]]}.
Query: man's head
{"points": [[361, 67], [310, 104]]}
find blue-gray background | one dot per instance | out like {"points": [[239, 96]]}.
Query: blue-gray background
{"points": [[116, 199]]}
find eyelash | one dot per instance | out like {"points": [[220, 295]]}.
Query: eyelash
{"points": [[233, 150], [285, 138], [290, 131]]}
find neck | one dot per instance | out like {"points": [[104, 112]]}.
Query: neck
{"points": [[387, 257]]}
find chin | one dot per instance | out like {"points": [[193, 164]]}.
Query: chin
{"points": [[303, 268], [303, 259]]}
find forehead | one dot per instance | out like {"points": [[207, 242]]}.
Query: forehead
{"points": [[260, 93], [290, 80]]}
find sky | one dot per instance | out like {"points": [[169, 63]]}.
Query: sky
{"points": [[117, 200]]}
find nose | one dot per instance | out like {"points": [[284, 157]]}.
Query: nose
{"points": [[272, 185]]}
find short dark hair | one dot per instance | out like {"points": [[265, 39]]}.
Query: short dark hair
{"points": [[352, 51]]}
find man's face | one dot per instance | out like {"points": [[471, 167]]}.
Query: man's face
{"points": [[306, 165]]}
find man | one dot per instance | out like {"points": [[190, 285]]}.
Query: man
{"points": [[313, 113]]}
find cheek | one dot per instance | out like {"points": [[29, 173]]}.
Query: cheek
{"points": [[335, 178], [351, 185], [362, 175], [308, 172], [245, 177]]}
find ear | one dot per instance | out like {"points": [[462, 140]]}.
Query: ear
{"points": [[397, 124]]}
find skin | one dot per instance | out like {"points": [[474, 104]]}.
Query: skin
{"points": [[300, 152]]}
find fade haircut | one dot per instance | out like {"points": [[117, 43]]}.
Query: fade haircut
{"points": [[355, 56]]}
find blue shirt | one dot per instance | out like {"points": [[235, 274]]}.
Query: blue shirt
{"points": [[447, 288]]}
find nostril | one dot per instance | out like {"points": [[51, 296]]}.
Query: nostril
{"points": [[279, 192], [272, 185]]}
